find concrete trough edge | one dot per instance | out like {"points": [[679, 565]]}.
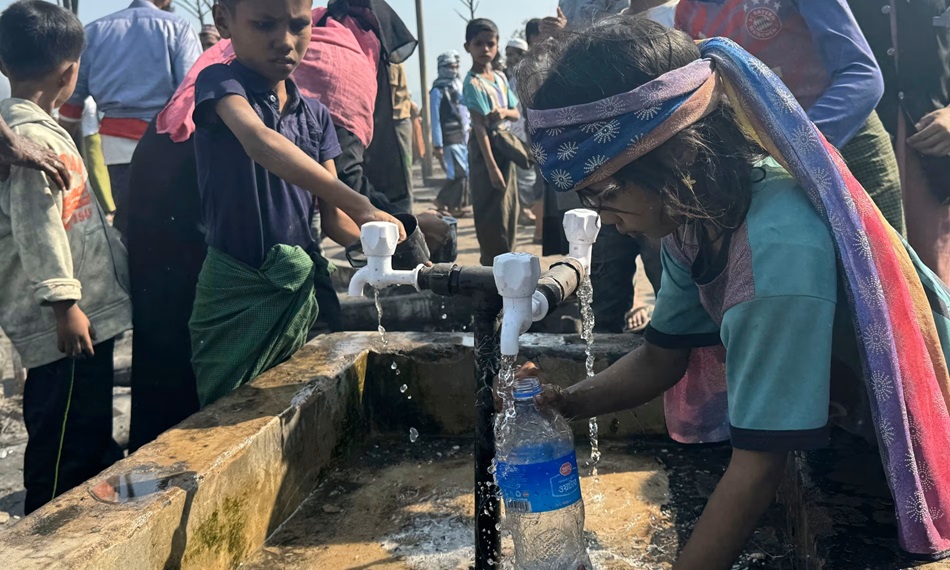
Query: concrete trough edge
{"points": [[248, 461]]}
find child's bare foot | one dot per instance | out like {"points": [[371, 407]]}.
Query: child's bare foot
{"points": [[638, 319]]}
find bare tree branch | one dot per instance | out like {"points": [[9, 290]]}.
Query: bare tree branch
{"points": [[471, 6], [197, 8]]}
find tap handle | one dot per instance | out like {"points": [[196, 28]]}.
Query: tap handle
{"points": [[379, 239], [516, 274], [581, 226]]}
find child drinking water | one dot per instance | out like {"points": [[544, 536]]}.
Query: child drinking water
{"points": [[262, 150], [493, 178]]}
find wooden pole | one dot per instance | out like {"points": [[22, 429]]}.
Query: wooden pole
{"points": [[424, 94]]}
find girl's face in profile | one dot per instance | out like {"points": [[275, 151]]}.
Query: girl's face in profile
{"points": [[633, 209]]}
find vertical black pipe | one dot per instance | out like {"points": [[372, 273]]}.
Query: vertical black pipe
{"points": [[487, 506]]}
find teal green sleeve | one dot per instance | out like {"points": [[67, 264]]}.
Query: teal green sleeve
{"points": [[476, 99], [778, 372], [679, 319]]}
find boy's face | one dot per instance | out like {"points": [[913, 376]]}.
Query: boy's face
{"points": [[268, 36], [483, 48]]}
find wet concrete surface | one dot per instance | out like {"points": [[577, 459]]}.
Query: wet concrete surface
{"points": [[396, 505], [842, 512]]}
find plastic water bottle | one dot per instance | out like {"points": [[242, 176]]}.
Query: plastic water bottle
{"points": [[540, 486]]}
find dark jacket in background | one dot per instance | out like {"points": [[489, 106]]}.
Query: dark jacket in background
{"points": [[916, 71]]}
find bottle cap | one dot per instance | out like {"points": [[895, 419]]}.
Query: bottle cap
{"points": [[527, 388]]}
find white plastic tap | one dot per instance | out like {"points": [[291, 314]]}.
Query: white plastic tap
{"points": [[582, 226], [516, 277], [379, 244]]}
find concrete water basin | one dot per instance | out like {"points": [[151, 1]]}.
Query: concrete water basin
{"points": [[311, 466]]}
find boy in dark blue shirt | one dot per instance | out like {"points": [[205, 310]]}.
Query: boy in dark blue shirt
{"points": [[263, 152]]}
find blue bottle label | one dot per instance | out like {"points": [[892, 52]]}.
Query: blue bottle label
{"points": [[540, 487]]}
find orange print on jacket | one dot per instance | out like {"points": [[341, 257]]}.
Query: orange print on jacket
{"points": [[77, 202]]}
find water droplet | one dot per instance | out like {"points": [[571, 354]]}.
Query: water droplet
{"points": [[409, 397], [444, 316], [394, 366], [413, 434], [403, 388]]}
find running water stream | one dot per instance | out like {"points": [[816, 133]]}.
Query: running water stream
{"points": [[585, 294], [413, 432], [379, 313], [506, 380], [503, 419]]}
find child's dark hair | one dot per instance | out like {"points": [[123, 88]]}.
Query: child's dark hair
{"points": [[618, 54], [532, 28], [478, 26], [36, 37]]}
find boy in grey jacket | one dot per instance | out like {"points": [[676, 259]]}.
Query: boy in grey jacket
{"points": [[64, 279]]}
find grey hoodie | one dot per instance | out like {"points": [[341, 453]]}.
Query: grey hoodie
{"points": [[55, 246]]}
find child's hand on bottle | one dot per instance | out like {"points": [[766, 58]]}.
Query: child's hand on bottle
{"points": [[371, 214], [551, 396], [74, 333]]}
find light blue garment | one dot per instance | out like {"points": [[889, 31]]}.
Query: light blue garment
{"points": [[435, 105], [134, 60], [581, 13], [456, 155]]}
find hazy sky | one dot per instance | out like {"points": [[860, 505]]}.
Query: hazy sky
{"points": [[444, 29]]}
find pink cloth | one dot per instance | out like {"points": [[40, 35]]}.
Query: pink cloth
{"points": [[339, 70]]}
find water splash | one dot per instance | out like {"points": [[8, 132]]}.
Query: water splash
{"points": [[503, 419], [585, 295]]}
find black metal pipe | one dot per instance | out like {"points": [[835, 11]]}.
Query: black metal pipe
{"points": [[487, 505], [449, 280], [561, 281]]}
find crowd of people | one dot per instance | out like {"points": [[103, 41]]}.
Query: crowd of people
{"points": [[782, 169]]}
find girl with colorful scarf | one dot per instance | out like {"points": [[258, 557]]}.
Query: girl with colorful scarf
{"points": [[777, 269]]}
